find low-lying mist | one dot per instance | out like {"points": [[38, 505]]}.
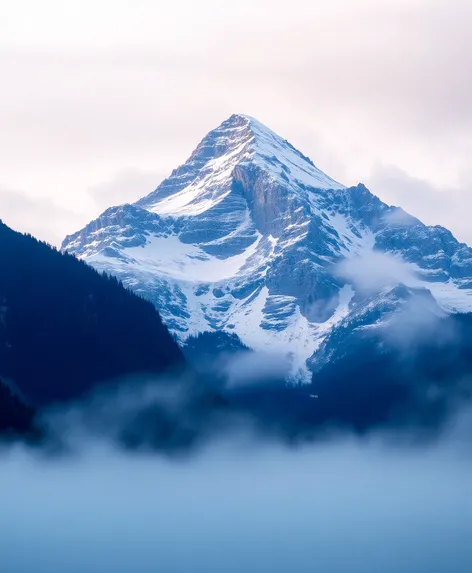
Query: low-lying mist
{"points": [[239, 504], [362, 472]]}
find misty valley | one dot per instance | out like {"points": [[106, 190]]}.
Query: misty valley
{"points": [[251, 368]]}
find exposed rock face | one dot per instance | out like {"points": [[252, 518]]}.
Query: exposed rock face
{"points": [[249, 237]]}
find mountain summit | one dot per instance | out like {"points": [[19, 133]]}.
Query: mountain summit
{"points": [[240, 140], [249, 237]]}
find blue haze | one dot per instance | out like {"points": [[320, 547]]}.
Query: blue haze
{"points": [[334, 508]]}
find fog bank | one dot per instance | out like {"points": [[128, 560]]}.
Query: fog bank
{"points": [[334, 508]]}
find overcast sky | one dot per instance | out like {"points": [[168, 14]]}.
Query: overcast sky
{"points": [[100, 99]]}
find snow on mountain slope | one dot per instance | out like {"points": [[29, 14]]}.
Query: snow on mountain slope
{"points": [[248, 236], [239, 141]]}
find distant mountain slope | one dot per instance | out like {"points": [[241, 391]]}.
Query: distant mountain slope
{"points": [[64, 327], [249, 237], [374, 378]]}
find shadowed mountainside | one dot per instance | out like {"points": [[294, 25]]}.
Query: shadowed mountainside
{"points": [[64, 327]]}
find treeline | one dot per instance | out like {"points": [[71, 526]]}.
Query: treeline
{"points": [[64, 327], [203, 350]]}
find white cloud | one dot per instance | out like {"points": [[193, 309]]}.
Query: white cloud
{"points": [[400, 218], [39, 216], [121, 86], [126, 187], [244, 369], [419, 321], [373, 271], [447, 205]]}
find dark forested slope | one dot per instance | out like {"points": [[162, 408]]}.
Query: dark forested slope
{"points": [[64, 327], [15, 416]]}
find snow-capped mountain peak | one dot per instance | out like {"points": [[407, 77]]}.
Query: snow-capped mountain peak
{"points": [[204, 179], [249, 237]]}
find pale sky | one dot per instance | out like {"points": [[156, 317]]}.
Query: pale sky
{"points": [[101, 99]]}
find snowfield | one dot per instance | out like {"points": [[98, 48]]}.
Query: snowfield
{"points": [[250, 237]]}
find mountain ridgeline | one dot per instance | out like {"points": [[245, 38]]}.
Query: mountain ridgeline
{"points": [[249, 251], [65, 328], [249, 245], [250, 238]]}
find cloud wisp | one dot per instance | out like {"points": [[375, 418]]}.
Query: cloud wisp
{"points": [[373, 271]]}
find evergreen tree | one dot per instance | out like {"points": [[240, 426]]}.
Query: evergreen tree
{"points": [[64, 327]]}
